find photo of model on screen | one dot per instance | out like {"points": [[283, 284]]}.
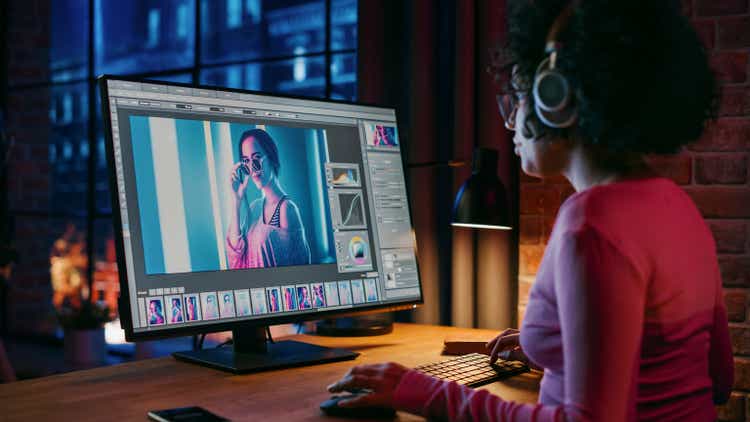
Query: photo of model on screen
{"points": [[272, 234], [155, 312]]}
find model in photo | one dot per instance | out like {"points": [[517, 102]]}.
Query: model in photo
{"points": [[303, 297], [155, 312], [242, 300], [226, 304], [274, 299], [192, 308], [273, 235], [259, 301], [290, 298], [318, 295], [174, 309], [209, 305]]}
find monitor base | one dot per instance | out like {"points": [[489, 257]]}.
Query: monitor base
{"points": [[247, 356], [367, 325]]}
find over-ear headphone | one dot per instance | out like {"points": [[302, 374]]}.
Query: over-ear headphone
{"points": [[553, 97]]}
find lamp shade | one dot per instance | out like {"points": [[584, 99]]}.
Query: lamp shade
{"points": [[481, 201]]}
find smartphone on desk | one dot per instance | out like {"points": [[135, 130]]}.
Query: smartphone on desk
{"points": [[185, 414]]}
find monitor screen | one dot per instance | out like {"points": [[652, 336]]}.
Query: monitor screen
{"points": [[235, 206]]}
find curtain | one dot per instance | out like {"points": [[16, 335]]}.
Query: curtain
{"points": [[428, 58]]}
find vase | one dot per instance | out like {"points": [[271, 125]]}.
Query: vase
{"points": [[85, 348]]}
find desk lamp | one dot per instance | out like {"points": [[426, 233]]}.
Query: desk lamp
{"points": [[481, 201]]}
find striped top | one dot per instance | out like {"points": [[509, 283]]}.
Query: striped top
{"points": [[275, 219]]}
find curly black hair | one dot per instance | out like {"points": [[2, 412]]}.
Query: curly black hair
{"points": [[639, 71]]}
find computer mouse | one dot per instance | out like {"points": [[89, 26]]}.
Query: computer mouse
{"points": [[330, 407]]}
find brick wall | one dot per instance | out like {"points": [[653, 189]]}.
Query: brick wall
{"points": [[714, 171], [29, 296]]}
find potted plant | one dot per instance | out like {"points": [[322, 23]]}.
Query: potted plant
{"points": [[81, 319], [84, 333]]}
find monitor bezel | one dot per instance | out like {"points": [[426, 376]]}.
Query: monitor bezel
{"points": [[124, 305]]}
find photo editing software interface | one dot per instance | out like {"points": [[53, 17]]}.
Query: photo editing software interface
{"points": [[238, 206]]}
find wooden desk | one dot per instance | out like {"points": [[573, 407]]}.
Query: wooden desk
{"points": [[128, 391]]}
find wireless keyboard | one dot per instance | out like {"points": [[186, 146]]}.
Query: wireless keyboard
{"points": [[473, 369]]}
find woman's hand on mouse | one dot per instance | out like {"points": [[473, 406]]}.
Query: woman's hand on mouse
{"points": [[382, 379], [507, 346]]}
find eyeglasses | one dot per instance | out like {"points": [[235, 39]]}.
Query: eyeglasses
{"points": [[508, 106]]}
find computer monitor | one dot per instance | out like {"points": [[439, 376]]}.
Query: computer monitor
{"points": [[236, 210]]}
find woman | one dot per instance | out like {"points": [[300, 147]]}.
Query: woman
{"points": [[273, 300], [212, 310], [272, 235], [626, 315], [192, 308], [155, 315], [176, 310]]}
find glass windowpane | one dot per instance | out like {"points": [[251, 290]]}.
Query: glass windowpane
{"points": [[69, 148], [69, 40], [250, 29], [343, 24], [298, 76], [344, 76], [140, 37]]}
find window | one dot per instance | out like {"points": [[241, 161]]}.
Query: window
{"points": [[300, 47]]}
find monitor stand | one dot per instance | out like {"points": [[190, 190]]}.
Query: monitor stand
{"points": [[252, 352]]}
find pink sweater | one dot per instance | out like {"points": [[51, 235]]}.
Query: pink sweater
{"points": [[626, 316]]}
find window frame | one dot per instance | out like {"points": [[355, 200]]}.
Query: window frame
{"points": [[92, 214]]}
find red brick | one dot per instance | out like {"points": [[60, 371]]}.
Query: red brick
{"points": [[720, 7], [725, 134], [725, 169], [530, 258], [742, 373], [679, 168], [539, 200], [735, 271], [733, 410], [740, 336], [734, 32], [736, 303], [524, 287], [721, 202], [531, 229], [730, 66], [730, 235], [706, 32], [735, 101]]}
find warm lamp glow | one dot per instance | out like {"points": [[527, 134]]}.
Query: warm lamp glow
{"points": [[481, 226]]}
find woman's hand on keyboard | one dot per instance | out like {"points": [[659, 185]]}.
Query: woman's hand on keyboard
{"points": [[506, 346]]}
